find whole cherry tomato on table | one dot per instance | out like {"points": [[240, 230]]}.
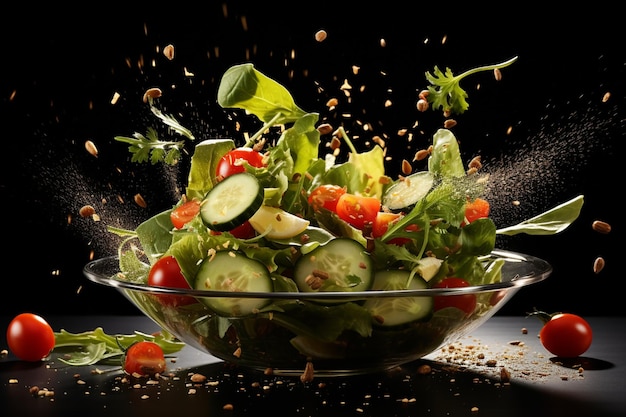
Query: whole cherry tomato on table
{"points": [[564, 335], [464, 302], [30, 337], [144, 358], [232, 162], [166, 273]]}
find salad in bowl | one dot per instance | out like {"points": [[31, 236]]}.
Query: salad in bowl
{"points": [[279, 258]]}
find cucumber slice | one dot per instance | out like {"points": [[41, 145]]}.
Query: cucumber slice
{"points": [[340, 265], [234, 272], [408, 191], [231, 202], [395, 311]]}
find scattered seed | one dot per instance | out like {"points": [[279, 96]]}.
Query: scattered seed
{"points": [[321, 35], [406, 167], [421, 154], [606, 97], [152, 93], [476, 163], [497, 74], [228, 407], [115, 98], [505, 375], [307, 375], [324, 129], [168, 51], [598, 265], [87, 211], [450, 123], [140, 201], [601, 227], [91, 148], [422, 105]]}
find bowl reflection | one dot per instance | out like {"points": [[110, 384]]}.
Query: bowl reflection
{"points": [[331, 333]]}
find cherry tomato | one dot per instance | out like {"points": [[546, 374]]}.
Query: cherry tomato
{"points": [[30, 337], [564, 335], [357, 210], [144, 358], [384, 220], [232, 162], [184, 213], [477, 209], [464, 302], [166, 273], [326, 196]]}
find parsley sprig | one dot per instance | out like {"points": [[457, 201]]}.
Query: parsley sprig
{"points": [[446, 92], [149, 147]]}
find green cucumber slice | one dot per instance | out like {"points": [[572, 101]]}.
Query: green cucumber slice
{"points": [[406, 192], [231, 202], [340, 265], [394, 311], [235, 272]]}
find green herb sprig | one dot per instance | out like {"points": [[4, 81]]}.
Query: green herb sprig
{"points": [[446, 93]]}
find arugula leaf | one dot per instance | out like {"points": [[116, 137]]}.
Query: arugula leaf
{"points": [[446, 92], [550, 222]]}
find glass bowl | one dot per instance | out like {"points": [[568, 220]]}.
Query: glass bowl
{"points": [[302, 333]]}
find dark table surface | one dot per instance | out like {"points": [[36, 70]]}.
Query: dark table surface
{"points": [[465, 380]]}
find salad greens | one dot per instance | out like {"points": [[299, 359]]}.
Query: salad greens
{"points": [[294, 169]]}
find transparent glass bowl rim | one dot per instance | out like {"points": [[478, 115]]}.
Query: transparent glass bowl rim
{"points": [[531, 270]]}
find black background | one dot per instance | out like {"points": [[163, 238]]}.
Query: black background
{"points": [[60, 69]]}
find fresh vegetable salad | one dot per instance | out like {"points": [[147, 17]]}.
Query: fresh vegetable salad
{"points": [[281, 217]]}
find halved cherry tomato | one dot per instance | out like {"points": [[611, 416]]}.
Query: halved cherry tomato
{"points": [[30, 337], [464, 302], [565, 335], [477, 209], [166, 273], [232, 162], [144, 358], [184, 213], [357, 210], [384, 220], [326, 195]]}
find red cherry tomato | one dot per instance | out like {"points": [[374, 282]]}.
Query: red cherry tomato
{"points": [[184, 213], [464, 302], [326, 196], [384, 220], [144, 358], [244, 231], [232, 162], [565, 335], [357, 210], [166, 273], [30, 337], [477, 209]]}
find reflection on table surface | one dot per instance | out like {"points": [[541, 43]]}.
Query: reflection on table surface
{"points": [[498, 370]]}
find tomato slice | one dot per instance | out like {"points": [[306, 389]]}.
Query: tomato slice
{"points": [[184, 213], [358, 210], [144, 358], [477, 209], [464, 302], [232, 162], [327, 196], [166, 273]]}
